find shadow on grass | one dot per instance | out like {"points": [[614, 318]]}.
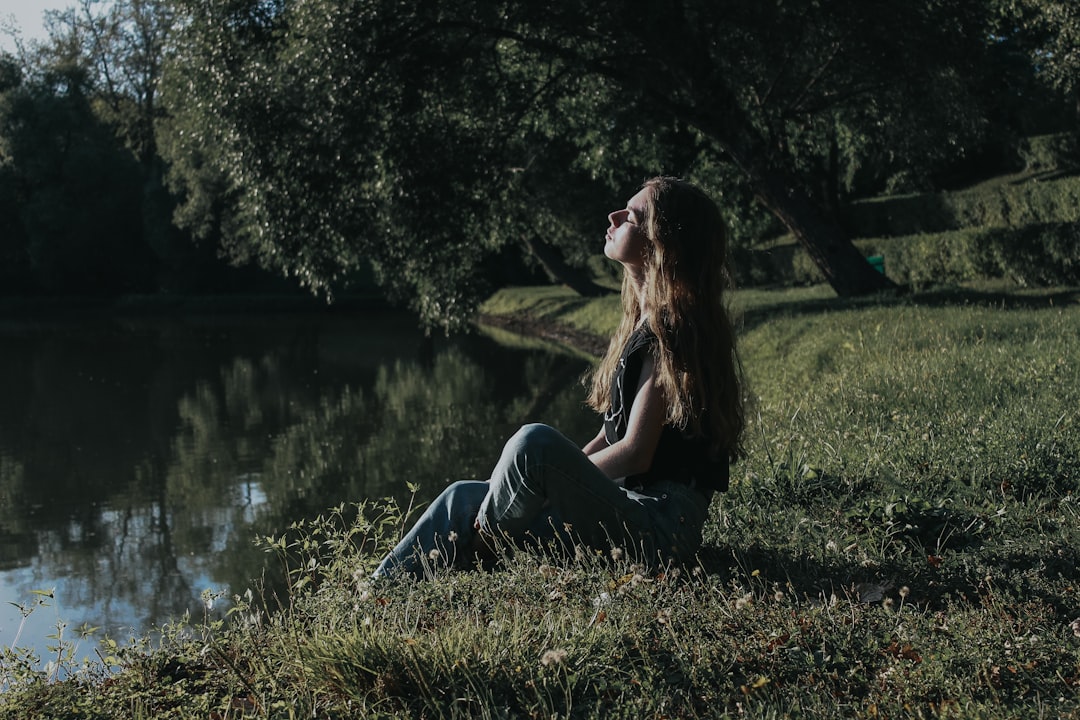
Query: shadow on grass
{"points": [[945, 296], [979, 577]]}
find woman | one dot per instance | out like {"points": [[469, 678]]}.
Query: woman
{"points": [[670, 395]]}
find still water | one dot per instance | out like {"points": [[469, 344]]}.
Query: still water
{"points": [[140, 455]]}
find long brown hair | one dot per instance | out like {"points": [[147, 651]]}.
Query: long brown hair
{"points": [[686, 284]]}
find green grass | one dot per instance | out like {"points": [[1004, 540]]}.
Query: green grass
{"points": [[559, 305], [902, 541]]}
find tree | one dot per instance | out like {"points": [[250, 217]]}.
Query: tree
{"points": [[421, 137], [83, 203], [120, 46], [326, 135], [786, 91], [1049, 32], [72, 195]]}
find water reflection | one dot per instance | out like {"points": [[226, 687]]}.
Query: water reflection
{"points": [[139, 458]]}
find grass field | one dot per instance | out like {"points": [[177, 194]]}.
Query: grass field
{"points": [[901, 541]]}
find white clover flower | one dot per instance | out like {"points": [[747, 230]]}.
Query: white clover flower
{"points": [[1075, 626], [616, 554], [434, 554], [452, 536]]}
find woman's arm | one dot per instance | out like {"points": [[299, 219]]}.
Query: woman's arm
{"points": [[597, 443], [634, 453]]}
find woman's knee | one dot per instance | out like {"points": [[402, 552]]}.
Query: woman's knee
{"points": [[533, 438], [462, 496]]}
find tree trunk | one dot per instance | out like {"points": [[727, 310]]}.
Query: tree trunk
{"points": [[559, 272], [827, 244]]}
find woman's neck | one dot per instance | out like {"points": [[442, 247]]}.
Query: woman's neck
{"points": [[636, 278]]}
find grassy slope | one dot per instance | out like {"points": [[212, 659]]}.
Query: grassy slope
{"points": [[901, 540]]}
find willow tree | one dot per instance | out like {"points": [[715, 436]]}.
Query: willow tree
{"points": [[423, 136]]}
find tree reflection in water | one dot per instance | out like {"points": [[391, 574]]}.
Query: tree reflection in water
{"points": [[139, 459]]}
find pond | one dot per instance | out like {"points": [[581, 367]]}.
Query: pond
{"points": [[140, 455]]}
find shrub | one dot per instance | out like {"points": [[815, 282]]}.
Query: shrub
{"points": [[998, 205], [1037, 255], [1049, 152]]}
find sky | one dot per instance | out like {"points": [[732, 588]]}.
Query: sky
{"points": [[27, 17]]}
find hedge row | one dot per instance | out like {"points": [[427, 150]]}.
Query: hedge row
{"points": [[1003, 205], [1033, 255], [1042, 153]]}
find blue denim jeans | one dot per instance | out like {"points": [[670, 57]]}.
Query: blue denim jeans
{"points": [[545, 490]]}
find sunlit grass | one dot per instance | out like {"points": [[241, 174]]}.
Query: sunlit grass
{"points": [[902, 541]]}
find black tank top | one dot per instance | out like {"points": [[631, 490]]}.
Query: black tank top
{"points": [[679, 457]]}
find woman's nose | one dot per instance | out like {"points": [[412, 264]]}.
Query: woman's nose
{"points": [[615, 218]]}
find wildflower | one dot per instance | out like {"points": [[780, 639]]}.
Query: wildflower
{"points": [[831, 546], [1075, 625], [616, 554], [778, 596], [744, 601], [434, 554], [904, 592], [663, 616], [887, 603], [452, 536], [553, 657]]}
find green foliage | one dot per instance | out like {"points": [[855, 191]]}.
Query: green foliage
{"points": [[1043, 153], [1024, 231], [330, 135], [83, 209], [1049, 32], [57, 155], [334, 141], [1031, 255], [322, 137], [997, 204]]}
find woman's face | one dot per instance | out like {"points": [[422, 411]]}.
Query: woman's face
{"points": [[625, 241]]}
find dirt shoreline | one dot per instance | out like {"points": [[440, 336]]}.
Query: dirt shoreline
{"points": [[523, 324]]}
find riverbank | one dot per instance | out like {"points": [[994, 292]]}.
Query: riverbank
{"points": [[901, 541]]}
